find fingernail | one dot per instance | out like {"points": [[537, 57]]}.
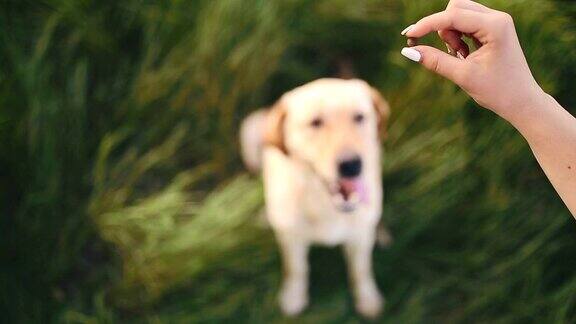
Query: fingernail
{"points": [[460, 56], [407, 29], [411, 54]]}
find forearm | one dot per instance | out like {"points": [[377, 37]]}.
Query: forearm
{"points": [[551, 133]]}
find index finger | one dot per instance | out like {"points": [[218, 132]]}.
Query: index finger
{"points": [[462, 20], [467, 4]]}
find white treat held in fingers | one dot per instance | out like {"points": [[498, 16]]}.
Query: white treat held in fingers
{"points": [[411, 54]]}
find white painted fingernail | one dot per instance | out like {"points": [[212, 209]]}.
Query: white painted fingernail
{"points": [[460, 56], [411, 54], [407, 29]]}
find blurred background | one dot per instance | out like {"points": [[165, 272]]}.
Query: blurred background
{"points": [[123, 198]]}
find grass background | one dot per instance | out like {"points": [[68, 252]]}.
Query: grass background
{"points": [[123, 198]]}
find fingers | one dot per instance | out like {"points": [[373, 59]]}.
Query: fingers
{"points": [[462, 20], [437, 61], [455, 42], [467, 4]]}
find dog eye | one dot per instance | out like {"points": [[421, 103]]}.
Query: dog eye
{"points": [[316, 123], [358, 118]]}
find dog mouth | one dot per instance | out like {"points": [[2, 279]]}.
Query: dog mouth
{"points": [[349, 193]]}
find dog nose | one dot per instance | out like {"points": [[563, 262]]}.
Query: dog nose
{"points": [[350, 168]]}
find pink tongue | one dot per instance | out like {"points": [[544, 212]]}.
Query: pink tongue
{"points": [[347, 187]]}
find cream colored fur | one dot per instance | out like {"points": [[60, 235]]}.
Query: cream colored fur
{"points": [[300, 168]]}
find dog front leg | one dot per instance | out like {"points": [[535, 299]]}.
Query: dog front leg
{"points": [[358, 253], [293, 296]]}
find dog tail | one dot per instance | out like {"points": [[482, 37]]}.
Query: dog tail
{"points": [[252, 139]]}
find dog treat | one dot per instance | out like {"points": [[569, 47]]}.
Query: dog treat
{"points": [[412, 41]]}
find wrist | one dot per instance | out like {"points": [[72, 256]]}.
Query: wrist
{"points": [[536, 115], [528, 111]]}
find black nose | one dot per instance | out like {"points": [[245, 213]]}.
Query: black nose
{"points": [[350, 168]]}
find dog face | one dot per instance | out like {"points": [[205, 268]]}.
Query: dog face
{"points": [[332, 126]]}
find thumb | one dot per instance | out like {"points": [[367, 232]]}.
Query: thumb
{"points": [[435, 60]]}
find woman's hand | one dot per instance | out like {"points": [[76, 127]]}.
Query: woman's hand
{"points": [[496, 75]]}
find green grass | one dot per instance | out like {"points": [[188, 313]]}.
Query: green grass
{"points": [[123, 198]]}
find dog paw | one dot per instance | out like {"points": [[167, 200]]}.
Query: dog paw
{"points": [[293, 299], [369, 304]]}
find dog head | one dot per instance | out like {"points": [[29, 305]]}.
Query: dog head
{"points": [[334, 126]]}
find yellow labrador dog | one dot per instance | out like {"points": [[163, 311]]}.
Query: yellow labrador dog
{"points": [[319, 150]]}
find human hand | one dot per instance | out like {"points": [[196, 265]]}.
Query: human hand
{"points": [[496, 75]]}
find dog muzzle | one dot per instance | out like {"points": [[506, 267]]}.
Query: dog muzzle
{"points": [[348, 194]]}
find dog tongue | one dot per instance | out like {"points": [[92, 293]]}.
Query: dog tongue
{"points": [[350, 186]]}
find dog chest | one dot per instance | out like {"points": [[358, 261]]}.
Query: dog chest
{"points": [[324, 223]]}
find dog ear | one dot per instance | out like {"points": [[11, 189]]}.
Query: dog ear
{"points": [[274, 129], [382, 111]]}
